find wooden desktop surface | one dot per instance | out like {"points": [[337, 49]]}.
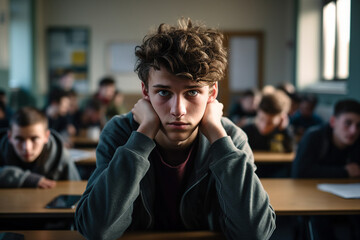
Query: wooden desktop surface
{"points": [[259, 157], [74, 235], [301, 197], [31, 202], [287, 196], [273, 157]]}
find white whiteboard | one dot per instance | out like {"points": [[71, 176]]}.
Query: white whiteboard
{"points": [[121, 57], [243, 63]]}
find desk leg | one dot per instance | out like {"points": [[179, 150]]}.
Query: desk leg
{"points": [[309, 228]]}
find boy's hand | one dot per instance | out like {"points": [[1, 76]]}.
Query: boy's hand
{"points": [[353, 169], [46, 183], [145, 115], [210, 124]]}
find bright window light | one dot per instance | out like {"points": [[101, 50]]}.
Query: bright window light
{"points": [[329, 33], [343, 25], [336, 39]]}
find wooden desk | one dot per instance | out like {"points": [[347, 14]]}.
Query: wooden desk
{"points": [[273, 157], [31, 202], [73, 235], [260, 157], [301, 197]]}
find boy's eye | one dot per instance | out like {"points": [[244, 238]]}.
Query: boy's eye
{"points": [[163, 93], [192, 93]]}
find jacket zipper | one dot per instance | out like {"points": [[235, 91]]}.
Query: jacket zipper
{"points": [[182, 200], [146, 208]]}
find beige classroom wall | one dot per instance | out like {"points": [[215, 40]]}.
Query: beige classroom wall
{"points": [[129, 21]]}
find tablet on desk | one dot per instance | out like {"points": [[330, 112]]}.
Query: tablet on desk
{"points": [[64, 201]]}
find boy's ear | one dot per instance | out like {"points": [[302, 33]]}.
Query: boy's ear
{"points": [[144, 91], [332, 121], [213, 92], [47, 135], [9, 134]]}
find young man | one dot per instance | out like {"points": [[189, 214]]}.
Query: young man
{"points": [[31, 155], [243, 110], [305, 117], [332, 151], [270, 131], [174, 163]]}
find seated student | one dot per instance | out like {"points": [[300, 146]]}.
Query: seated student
{"points": [[270, 131], [89, 116], [106, 90], [58, 113], [4, 121], [243, 110], [173, 162], [32, 155], [116, 107], [305, 117], [331, 151]]}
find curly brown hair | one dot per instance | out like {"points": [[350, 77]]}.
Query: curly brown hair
{"points": [[190, 51]]}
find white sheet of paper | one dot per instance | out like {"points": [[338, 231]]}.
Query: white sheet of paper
{"points": [[78, 154], [348, 190]]}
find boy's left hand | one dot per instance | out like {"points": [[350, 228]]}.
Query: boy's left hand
{"points": [[210, 124]]}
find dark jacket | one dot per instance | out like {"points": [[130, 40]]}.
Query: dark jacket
{"points": [[317, 157], [223, 191], [54, 163], [259, 142]]}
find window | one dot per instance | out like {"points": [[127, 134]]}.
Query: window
{"points": [[336, 39]]}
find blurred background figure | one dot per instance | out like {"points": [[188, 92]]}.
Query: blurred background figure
{"points": [[57, 112], [305, 116], [270, 131], [64, 81], [116, 107], [89, 117], [106, 90], [243, 109]]}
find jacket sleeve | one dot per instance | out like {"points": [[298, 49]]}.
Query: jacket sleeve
{"points": [[306, 163], [105, 209], [14, 177], [245, 206]]}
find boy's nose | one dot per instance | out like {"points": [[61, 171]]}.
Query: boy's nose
{"points": [[178, 107]]}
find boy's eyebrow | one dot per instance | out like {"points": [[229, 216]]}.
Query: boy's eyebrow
{"points": [[168, 87]]}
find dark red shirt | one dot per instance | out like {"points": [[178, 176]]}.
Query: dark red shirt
{"points": [[170, 185]]}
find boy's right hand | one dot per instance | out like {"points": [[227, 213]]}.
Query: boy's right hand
{"points": [[145, 115], [46, 183]]}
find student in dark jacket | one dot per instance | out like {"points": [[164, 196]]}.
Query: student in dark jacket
{"points": [[270, 130], [173, 162], [32, 155], [331, 151]]}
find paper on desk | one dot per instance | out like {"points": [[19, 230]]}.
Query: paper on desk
{"points": [[78, 154], [347, 190]]}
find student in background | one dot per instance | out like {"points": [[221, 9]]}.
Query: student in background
{"points": [[4, 121], [64, 81], [305, 117], [106, 91], [32, 155], [270, 131], [4, 101], [173, 162], [89, 117], [243, 110], [331, 151], [58, 115], [116, 107]]}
